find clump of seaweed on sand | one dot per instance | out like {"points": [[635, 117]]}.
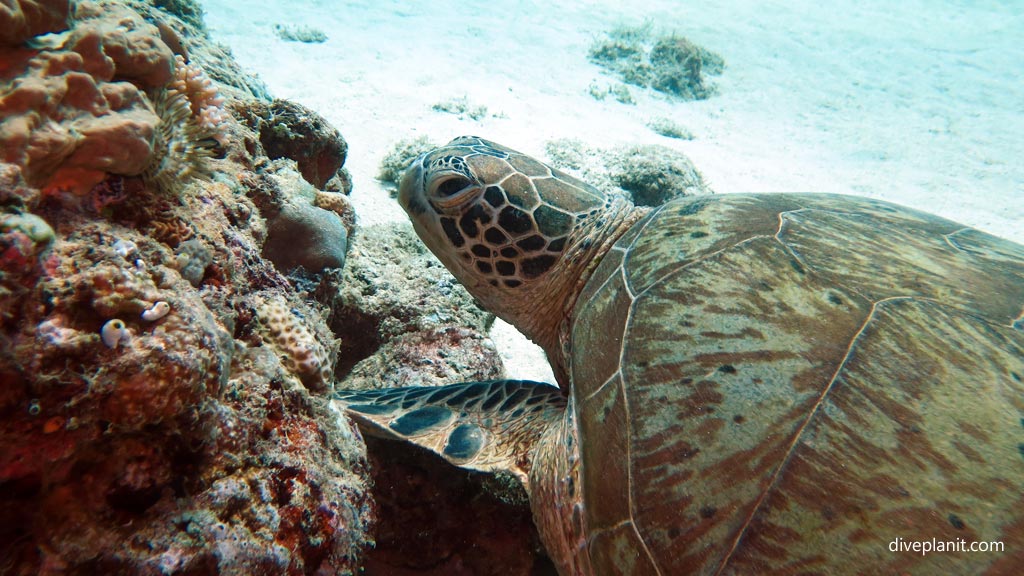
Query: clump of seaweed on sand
{"points": [[668, 63]]}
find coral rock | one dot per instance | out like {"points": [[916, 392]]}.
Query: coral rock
{"points": [[192, 260], [338, 203], [403, 319], [296, 345], [647, 175], [188, 448], [24, 19], [302, 235], [655, 174], [124, 39], [290, 130], [66, 122]]}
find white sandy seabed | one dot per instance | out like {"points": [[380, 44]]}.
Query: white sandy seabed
{"points": [[915, 102]]}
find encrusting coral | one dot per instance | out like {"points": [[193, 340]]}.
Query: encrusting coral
{"points": [[670, 64], [145, 428], [298, 348], [290, 130], [104, 97], [20, 21], [339, 204]]}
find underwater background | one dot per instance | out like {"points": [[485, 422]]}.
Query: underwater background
{"points": [[917, 102]]}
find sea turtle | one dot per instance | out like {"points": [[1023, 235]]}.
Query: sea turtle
{"points": [[749, 383]]}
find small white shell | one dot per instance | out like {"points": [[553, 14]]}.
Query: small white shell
{"points": [[113, 332], [156, 312], [125, 248]]}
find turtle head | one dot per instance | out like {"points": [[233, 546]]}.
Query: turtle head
{"points": [[516, 232]]}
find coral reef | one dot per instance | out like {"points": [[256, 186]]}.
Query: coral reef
{"points": [[338, 203], [108, 96], [300, 351], [290, 130], [670, 64], [647, 175], [669, 128], [398, 158], [425, 328], [191, 118], [192, 260], [187, 11], [461, 107], [655, 174], [165, 367], [432, 517], [293, 33], [302, 235], [436, 523], [146, 427], [66, 121], [20, 21], [620, 92], [23, 238]]}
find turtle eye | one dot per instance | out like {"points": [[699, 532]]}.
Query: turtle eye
{"points": [[452, 186]]}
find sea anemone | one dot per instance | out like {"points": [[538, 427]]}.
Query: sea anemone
{"points": [[191, 124]]}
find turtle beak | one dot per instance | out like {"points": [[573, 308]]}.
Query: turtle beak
{"points": [[410, 193]]}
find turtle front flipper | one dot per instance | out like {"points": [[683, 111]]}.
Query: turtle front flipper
{"points": [[487, 426]]}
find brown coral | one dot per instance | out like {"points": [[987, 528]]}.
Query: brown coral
{"points": [[67, 122], [290, 130], [339, 204], [24, 19], [182, 449], [298, 348]]}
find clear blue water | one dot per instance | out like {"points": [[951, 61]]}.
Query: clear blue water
{"points": [[916, 102]]}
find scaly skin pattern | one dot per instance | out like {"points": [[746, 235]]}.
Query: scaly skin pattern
{"points": [[486, 426], [759, 384], [500, 221], [556, 496]]}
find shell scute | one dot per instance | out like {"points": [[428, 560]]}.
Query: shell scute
{"points": [[878, 459], [791, 382], [603, 451], [658, 250], [620, 550], [599, 331], [687, 452], [919, 261]]}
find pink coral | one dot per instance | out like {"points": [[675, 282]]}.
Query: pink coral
{"points": [[192, 116]]}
